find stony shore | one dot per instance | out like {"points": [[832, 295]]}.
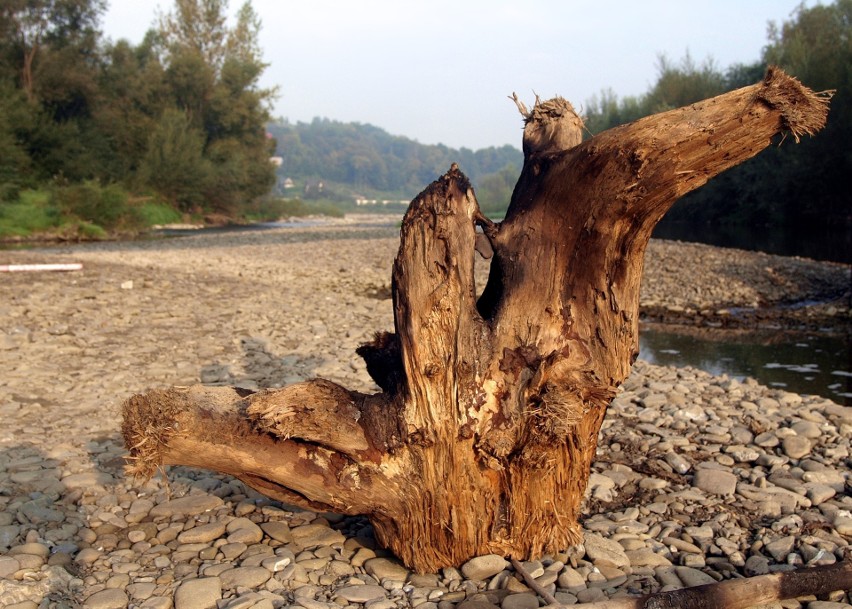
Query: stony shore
{"points": [[698, 478]]}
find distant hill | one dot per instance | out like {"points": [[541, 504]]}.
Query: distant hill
{"points": [[353, 159]]}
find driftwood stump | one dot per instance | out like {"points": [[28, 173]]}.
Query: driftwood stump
{"points": [[482, 437]]}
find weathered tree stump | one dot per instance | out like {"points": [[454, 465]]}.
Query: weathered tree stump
{"points": [[482, 438]]}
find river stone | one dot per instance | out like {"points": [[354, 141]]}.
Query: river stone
{"points": [[87, 480], [796, 447], [483, 567], [693, 577], [191, 505], [37, 513], [243, 530], [277, 530], [202, 534], [111, 598], [8, 534], [246, 577], [524, 600], [36, 549], [843, 525], [361, 594], [8, 566], [646, 558], [808, 429], [714, 481], [600, 549], [570, 580], [312, 535], [199, 593], [780, 548], [385, 568]]}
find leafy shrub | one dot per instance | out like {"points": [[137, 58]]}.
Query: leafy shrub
{"points": [[152, 213], [30, 212], [106, 206]]}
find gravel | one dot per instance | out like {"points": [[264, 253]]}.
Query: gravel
{"points": [[698, 478]]}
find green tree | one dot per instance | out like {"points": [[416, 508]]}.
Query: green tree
{"points": [[30, 26], [213, 72], [174, 164]]}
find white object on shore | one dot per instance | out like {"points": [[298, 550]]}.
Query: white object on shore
{"points": [[15, 268]]}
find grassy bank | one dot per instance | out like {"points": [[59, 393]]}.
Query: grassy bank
{"points": [[90, 211]]}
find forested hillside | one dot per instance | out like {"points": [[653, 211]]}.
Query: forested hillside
{"points": [[366, 160], [786, 184]]}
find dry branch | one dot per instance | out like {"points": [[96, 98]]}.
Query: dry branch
{"points": [[738, 593], [483, 436]]}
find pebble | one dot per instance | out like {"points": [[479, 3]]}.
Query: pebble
{"points": [[605, 551], [715, 481], [312, 535], [245, 577], [191, 505], [483, 567], [203, 534], [106, 599], [361, 594], [796, 447], [385, 568], [202, 593], [520, 601]]}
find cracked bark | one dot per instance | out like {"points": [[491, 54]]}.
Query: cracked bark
{"points": [[482, 438]]}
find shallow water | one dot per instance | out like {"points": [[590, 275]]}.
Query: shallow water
{"points": [[803, 363]]}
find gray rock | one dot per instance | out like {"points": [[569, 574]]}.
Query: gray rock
{"points": [[646, 558], [8, 566], [8, 534], [311, 535], [780, 548], [202, 534], [246, 577], [807, 429], [715, 482], [678, 463], [37, 512], [796, 447], [87, 480], [361, 594], [111, 598], [570, 580], [199, 593], [757, 565], [693, 577], [191, 505], [483, 567], [243, 530], [524, 600], [843, 525], [602, 550], [385, 568], [277, 530]]}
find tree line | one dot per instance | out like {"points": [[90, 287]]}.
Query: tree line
{"points": [[178, 119], [786, 184]]}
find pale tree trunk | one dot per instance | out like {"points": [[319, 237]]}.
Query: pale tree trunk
{"points": [[482, 438]]}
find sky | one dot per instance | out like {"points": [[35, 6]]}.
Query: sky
{"points": [[441, 71]]}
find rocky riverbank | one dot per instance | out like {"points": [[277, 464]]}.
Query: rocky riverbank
{"points": [[698, 478]]}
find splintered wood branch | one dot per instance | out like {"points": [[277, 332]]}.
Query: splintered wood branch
{"points": [[737, 593], [211, 427], [483, 435]]}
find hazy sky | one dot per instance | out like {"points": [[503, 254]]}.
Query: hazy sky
{"points": [[440, 71]]}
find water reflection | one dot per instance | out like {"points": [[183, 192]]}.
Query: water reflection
{"points": [[808, 364]]}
